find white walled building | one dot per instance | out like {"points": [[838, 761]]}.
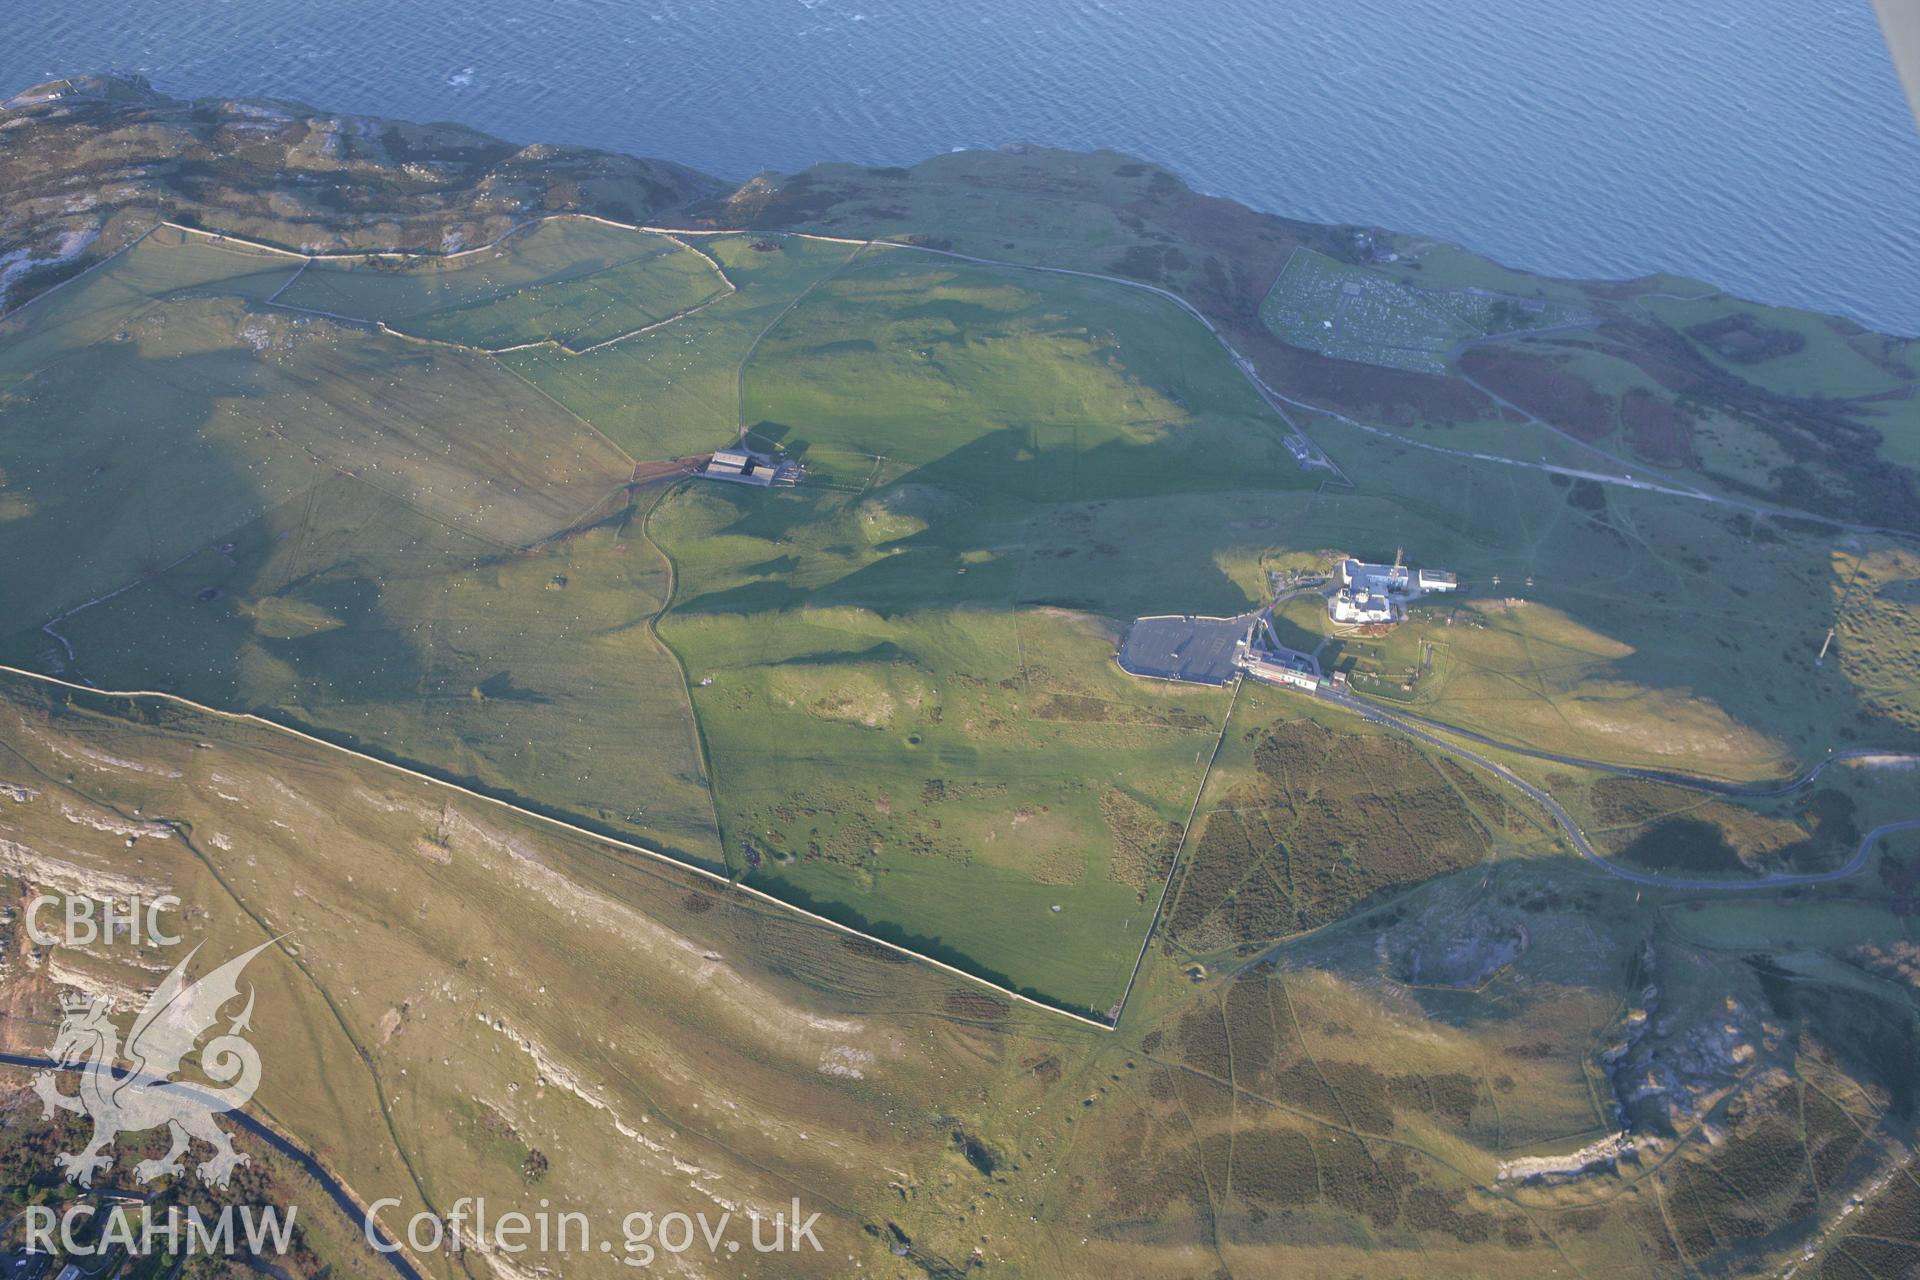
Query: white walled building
{"points": [[1360, 605], [1377, 594]]}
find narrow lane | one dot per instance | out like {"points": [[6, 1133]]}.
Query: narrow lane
{"points": [[336, 1190], [1578, 838]]}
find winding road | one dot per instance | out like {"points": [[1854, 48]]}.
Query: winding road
{"points": [[1279, 404], [1692, 781], [1413, 726], [336, 1191], [1408, 725]]}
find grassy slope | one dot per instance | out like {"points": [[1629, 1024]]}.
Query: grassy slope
{"points": [[892, 756], [475, 988], [840, 627], [573, 281], [355, 515], [1016, 454], [587, 312], [145, 403], [987, 444], [1043, 388], [547, 253], [1105, 213], [531, 675], [1834, 359]]}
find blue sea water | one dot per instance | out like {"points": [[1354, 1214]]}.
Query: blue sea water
{"points": [[1762, 145]]}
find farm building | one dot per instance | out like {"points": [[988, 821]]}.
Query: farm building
{"points": [[744, 467]]}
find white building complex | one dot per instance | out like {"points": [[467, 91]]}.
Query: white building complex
{"points": [[1378, 594]]}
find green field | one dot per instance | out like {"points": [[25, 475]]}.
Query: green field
{"points": [[892, 743], [1868, 376], [887, 695], [982, 379], [911, 628], [1432, 264], [344, 530], [532, 675], [1082, 210], [582, 313], [896, 729], [675, 391], [157, 414], [1816, 356], [571, 281]]}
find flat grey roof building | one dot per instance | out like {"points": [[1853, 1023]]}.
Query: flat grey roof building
{"points": [[1197, 650]]}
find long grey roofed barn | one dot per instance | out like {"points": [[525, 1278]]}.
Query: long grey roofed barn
{"points": [[1199, 650]]}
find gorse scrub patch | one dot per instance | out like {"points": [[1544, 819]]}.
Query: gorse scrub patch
{"points": [[1329, 821]]}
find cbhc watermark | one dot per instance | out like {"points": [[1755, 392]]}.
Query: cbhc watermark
{"points": [[84, 920]]}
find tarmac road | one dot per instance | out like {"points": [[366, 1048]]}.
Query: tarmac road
{"points": [[1578, 838], [1749, 790], [1279, 404], [336, 1190]]}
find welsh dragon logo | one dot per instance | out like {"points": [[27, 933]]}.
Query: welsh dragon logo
{"points": [[146, 1096]]}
